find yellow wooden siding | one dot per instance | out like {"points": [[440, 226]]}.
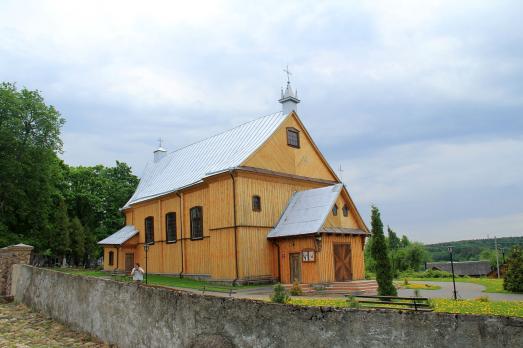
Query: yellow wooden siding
{"points": [[276, 155], [222, 254], [108, 249], [340, 220], [221, 210], [274, 193], [196, 252], [254, 253], [322, 270]]}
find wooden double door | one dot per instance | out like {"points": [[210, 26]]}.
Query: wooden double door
{"points": [[129, 262], [295, 260], [342, 262]]}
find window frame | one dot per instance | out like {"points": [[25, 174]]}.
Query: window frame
{"points": [[345, 210], [294, 131], [256, 207], [110, 256], [192, 224], [147, 232], [167, 215], [335, 210]]}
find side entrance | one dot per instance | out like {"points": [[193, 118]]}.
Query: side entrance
{"points": [[295, 260], [342, 262], [129, 262]]}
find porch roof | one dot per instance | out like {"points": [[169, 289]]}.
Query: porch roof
{"points": [[121, 236], [306, 212]]}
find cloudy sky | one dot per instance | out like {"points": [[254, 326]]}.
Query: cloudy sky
{"points": [[420, 102]]}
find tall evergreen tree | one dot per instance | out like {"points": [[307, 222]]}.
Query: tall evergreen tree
{"points": [[60, 239], [394, 241], [514, 277], [380, 254]]}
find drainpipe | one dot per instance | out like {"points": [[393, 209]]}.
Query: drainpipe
{"points": [[181, 230], [235, 227]]}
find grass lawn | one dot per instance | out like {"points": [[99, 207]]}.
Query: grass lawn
{"points": [[491, 285], [162, 280], [503, 308]]}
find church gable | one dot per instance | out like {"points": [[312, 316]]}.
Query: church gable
{"points": [[291, 150]]}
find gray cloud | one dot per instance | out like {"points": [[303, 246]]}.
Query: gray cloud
{"points": [[421, 102]]}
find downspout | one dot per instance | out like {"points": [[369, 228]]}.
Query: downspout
{"points": [[235, 227], [181, 230]]}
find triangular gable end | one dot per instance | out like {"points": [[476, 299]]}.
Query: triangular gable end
{"points": [[276, 155]]}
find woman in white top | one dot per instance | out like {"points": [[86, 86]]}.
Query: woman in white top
{"points": [[137, 273]]}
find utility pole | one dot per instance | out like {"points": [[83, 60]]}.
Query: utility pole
{"points": [[497, 258], [453, 279]]}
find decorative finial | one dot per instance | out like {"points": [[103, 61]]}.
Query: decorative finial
{"points": [[287, 71], [160, 140], [340, 171]]}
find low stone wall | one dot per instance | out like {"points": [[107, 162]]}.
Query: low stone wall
{"points": [[139, 316], [9, 256]]}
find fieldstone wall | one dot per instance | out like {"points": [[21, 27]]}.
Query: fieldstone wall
{"points": [[140, 316], [9, 256]]}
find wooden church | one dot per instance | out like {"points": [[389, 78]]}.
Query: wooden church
{"points": [[258, 202]]}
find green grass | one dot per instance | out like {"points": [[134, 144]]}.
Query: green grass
{"points": [[503, 308], [491, 285], [154, 279]]}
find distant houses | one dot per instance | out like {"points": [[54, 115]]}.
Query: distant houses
{"points": [[465, 268]]}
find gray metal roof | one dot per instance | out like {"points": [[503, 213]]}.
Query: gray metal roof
{"points": [[121, 236], [342, 230], [471, 268], [191, 164], [306, 212]]}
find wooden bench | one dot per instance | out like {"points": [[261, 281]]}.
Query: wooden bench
{"points": [[409, 303]]}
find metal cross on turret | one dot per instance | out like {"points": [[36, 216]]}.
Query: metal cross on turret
{"points": [[287, 71]]}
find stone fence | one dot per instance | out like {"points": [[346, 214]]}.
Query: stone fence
{"points": [[9, 256], [131, 315]]}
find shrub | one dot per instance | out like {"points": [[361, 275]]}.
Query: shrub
{"points": [[279, 295], [514, 277], [296, 288]]}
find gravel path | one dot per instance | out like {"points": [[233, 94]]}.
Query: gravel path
{"points": [[20, 327], [464, 290]]}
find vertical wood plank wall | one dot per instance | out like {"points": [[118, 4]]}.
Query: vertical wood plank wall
{"points": [[214, 255], [322, 270], [276, 155]]}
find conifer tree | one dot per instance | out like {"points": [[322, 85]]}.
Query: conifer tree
{"points": [[380, 254], [514, 277], [77, 235]]}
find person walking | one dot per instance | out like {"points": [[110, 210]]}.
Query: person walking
{"points": [[137, 273]]}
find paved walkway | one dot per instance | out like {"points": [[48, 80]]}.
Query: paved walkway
{"points": [[464, 290]]}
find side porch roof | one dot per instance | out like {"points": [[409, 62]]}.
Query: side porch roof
{"points": [[121, 236], [306, 214]]}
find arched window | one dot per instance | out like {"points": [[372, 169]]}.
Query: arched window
{"points": [[196, 215], [256, 203], [293, 137], [111, 258], [335, 210], [149, 230], [170, 227], [345, 210]]}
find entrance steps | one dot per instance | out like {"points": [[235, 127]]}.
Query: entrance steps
{"points": [[355, 287]]}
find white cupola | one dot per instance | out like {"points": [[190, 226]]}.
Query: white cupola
{"points": [[289, 100]]}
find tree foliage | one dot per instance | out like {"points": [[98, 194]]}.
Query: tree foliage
{"points": [[513, 280], [59, 209], [379, 252]]}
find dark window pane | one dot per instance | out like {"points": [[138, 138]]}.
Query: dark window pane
{"points": [[170, 225], [345, 210], [335, 210], [256, 203], [149, 230], [293, 137], [196, 223], [111, 258]]}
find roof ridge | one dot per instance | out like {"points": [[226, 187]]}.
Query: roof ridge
{"points": [[222, 132]]}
